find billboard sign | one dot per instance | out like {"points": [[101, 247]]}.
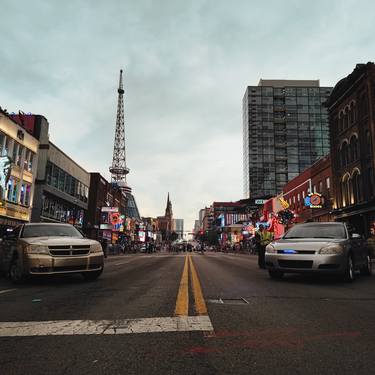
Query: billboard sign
{"points": [[314, 200]]}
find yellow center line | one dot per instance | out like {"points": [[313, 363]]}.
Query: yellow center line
{"points": [[200, 305], [182, 303]]}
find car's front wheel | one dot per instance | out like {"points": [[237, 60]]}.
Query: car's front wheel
{"points": [[349, 275], [93, 275], [367, 269], [275, 274]]}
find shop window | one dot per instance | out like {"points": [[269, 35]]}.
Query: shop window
{"points": [[9, 189], [27, 195], [12, 190], [22, 193]]}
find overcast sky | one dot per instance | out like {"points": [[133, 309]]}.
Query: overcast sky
{"points": [[187, 65]]}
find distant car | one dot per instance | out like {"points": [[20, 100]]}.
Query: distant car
{"points": [[46, 249], [319, 247]]}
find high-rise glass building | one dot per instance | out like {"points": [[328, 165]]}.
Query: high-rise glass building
{"points": [[285, 130]]}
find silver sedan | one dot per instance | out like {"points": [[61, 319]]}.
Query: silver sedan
{"points": [[319, 247]]}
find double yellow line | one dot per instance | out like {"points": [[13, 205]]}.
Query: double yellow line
{"points": [[182, 303]]}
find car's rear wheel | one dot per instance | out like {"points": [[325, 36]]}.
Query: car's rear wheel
{"points": [[349, 275], [16, 274], [93, 275], [275, 274], [367, 269]]}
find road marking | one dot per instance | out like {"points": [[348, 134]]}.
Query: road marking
{"points": [[106, 327], [200, 305], [7, 291], [182, 302], [119, 264]]}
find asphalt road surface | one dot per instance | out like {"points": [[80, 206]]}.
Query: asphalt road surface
{"points": [[187, 314]]}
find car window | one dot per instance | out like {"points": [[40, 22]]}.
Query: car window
{"points": [[50, 231], [317, 231]]}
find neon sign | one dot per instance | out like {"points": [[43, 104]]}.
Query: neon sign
{"points": [[314, 200]]}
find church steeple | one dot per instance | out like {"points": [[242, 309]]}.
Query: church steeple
{"points": [[168, 210]]}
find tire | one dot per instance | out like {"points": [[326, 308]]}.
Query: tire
{"points": [[15, 273], [93, 275], [349, 274], [367, 269], [274, 274]]}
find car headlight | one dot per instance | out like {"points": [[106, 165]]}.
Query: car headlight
{"points": [[36, 249], [96, 248], [332, 249], [270, 249]]}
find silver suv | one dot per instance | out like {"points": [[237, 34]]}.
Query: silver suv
{"points": [[45, 249]]}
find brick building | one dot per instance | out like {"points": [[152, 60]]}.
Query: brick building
{"points": [[351, 108], [316, 179]]}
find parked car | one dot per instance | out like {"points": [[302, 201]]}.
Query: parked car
{"points": [[45, 249], [319, 247]]}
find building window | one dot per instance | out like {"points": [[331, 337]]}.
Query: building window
{"points": [[356, 187], [55, 176], [328, 183], [2, 143], [345, 190], [15, 152], [344, 154], [320, 187], [22, 193], [353, 148], [12, 190], [19, 155], [30, 162]]}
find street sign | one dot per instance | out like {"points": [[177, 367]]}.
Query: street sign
{"points": [[109, 209], [260, 201]]}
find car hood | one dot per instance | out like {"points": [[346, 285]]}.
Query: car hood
{"points": [[304, 244], [55, 241]]}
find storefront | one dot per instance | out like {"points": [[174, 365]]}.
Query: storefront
{"points": [[18, 159]]}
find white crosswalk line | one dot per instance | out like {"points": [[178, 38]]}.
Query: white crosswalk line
{"points": [[106, 327]]}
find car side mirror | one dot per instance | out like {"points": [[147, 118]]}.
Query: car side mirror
{"points": [[356, 236]]}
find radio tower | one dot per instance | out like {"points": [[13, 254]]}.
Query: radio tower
{"points": [[119, 169]]}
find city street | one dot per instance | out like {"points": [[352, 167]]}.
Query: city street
{"points": [[187, 314]]}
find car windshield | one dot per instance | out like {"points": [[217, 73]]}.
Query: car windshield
{"points": [[316, 231], [50, 231]]}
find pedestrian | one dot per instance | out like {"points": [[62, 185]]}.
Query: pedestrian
{"points": [[103, 242], [264, 238]]}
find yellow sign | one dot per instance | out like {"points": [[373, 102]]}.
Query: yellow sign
{"points": [[284, 203]]}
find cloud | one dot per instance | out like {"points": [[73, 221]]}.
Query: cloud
{"points": [[187, 65]]}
